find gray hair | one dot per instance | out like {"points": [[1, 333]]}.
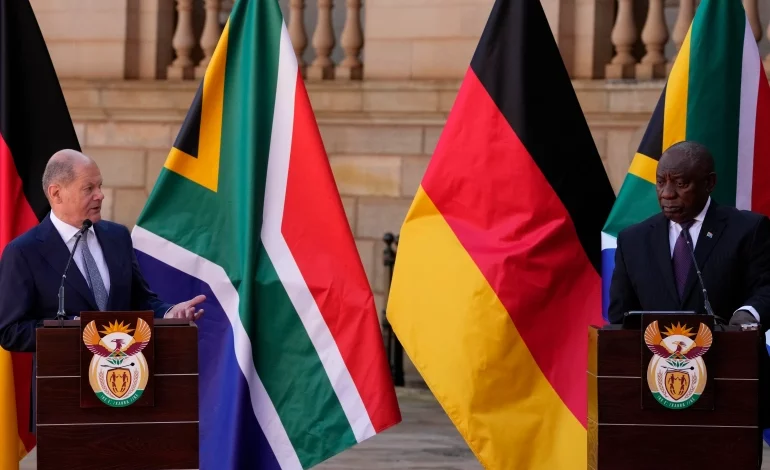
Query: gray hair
{"points": [[60, 168], [697, 153]]}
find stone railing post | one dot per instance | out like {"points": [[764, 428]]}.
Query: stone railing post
{"points": [[322, 67], [683, 21], [297, 33], [352, 40], [654, 37], [623, 38], [210, 35], [183, 42]]}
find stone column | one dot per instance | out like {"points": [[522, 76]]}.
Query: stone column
{"points": [[405, 39], [654, 37], [436, 40], [582, 29], [150, 32], [93, 44], [623, 38], [107, 38]]}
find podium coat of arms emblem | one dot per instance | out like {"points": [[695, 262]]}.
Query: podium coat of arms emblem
{"points": [[118, 371], [676, 373]]}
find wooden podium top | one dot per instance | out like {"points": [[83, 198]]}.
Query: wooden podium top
{"points": [[156, 322]]}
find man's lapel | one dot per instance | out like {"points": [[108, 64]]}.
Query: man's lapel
{"points": [[711, 230], [108, 243], [661, 249], [55, 252]]}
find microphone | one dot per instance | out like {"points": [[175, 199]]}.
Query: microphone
{"points": [[709, 311], [86, 225]]}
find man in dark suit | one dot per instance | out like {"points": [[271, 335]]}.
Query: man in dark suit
{"points": [[104, 273], [653, 265]]}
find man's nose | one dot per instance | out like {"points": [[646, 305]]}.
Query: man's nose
{"points": [[668, 191]]}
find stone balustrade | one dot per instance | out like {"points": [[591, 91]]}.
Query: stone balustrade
{"points": [[321, 38], [613, 39], [659, 39], [401, 39]]}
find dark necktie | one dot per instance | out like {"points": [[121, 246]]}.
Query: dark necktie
{"points": [[682, 259], [95, 281]]}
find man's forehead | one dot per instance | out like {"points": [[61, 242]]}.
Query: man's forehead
{"points": [[86, 169], [677, 161]]}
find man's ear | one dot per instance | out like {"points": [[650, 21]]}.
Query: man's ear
{"points": [[54, 193], [711, 182]]}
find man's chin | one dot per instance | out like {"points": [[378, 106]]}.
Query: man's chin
{"points": [[674, 214]]}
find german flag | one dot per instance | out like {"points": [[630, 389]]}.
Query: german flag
{"points": [[497, 277], [34, 123]]}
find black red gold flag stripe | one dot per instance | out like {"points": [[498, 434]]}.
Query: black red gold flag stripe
{"points": [[497, 277], [34, 124]]}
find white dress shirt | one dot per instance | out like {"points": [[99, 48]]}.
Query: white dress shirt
{"points": [[675, 229], [67, 233]]}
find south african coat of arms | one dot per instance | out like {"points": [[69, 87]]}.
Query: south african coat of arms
{"points": [[676, 373], [118, 371]]}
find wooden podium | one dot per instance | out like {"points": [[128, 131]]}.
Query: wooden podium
{"points": [[630, 427], [145, 414]]}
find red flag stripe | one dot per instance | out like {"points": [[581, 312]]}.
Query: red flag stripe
{"points": [[16, 216], [515, 227], [760, 194], [317, 233]]}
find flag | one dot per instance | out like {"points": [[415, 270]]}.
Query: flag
{"points": [[34, 124], [246, 211], [497, 277], [716, 94]]}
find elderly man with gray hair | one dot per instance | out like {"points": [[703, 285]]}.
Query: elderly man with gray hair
{"points": [[106, 274]]}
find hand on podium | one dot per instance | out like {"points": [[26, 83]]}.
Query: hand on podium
{"points": [[186, 309], [742, 317]]}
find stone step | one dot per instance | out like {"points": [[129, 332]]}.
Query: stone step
{"points": [[342, 135], [398, 97]]}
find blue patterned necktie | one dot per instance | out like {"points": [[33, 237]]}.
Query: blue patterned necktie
{"points": [[95, 281], [682, 259]]}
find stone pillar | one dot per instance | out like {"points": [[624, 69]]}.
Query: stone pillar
{"points": [[107, 38], [150, 30], [405, 39], [582, 29], [85, 38]]}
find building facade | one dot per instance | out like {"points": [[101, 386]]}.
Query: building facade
{"points": [[382, 76]]}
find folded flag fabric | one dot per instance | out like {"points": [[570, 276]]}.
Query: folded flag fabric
{"points": [[34, 124], [246, 211], [497, 277]]}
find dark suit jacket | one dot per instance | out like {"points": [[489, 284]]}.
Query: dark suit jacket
{"points": [[31, 269], [734, 263]]}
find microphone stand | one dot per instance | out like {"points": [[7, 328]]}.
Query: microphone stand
{"points": [[61, 314], [706, 302]]}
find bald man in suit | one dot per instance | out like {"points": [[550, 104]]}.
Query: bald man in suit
{"points": [[104, 274], [654, 267]]}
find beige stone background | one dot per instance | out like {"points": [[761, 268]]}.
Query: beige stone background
{"points": [[113, 56]]}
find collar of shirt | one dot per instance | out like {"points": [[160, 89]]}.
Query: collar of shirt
{"points": [[675, 229], [66, 230]]}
